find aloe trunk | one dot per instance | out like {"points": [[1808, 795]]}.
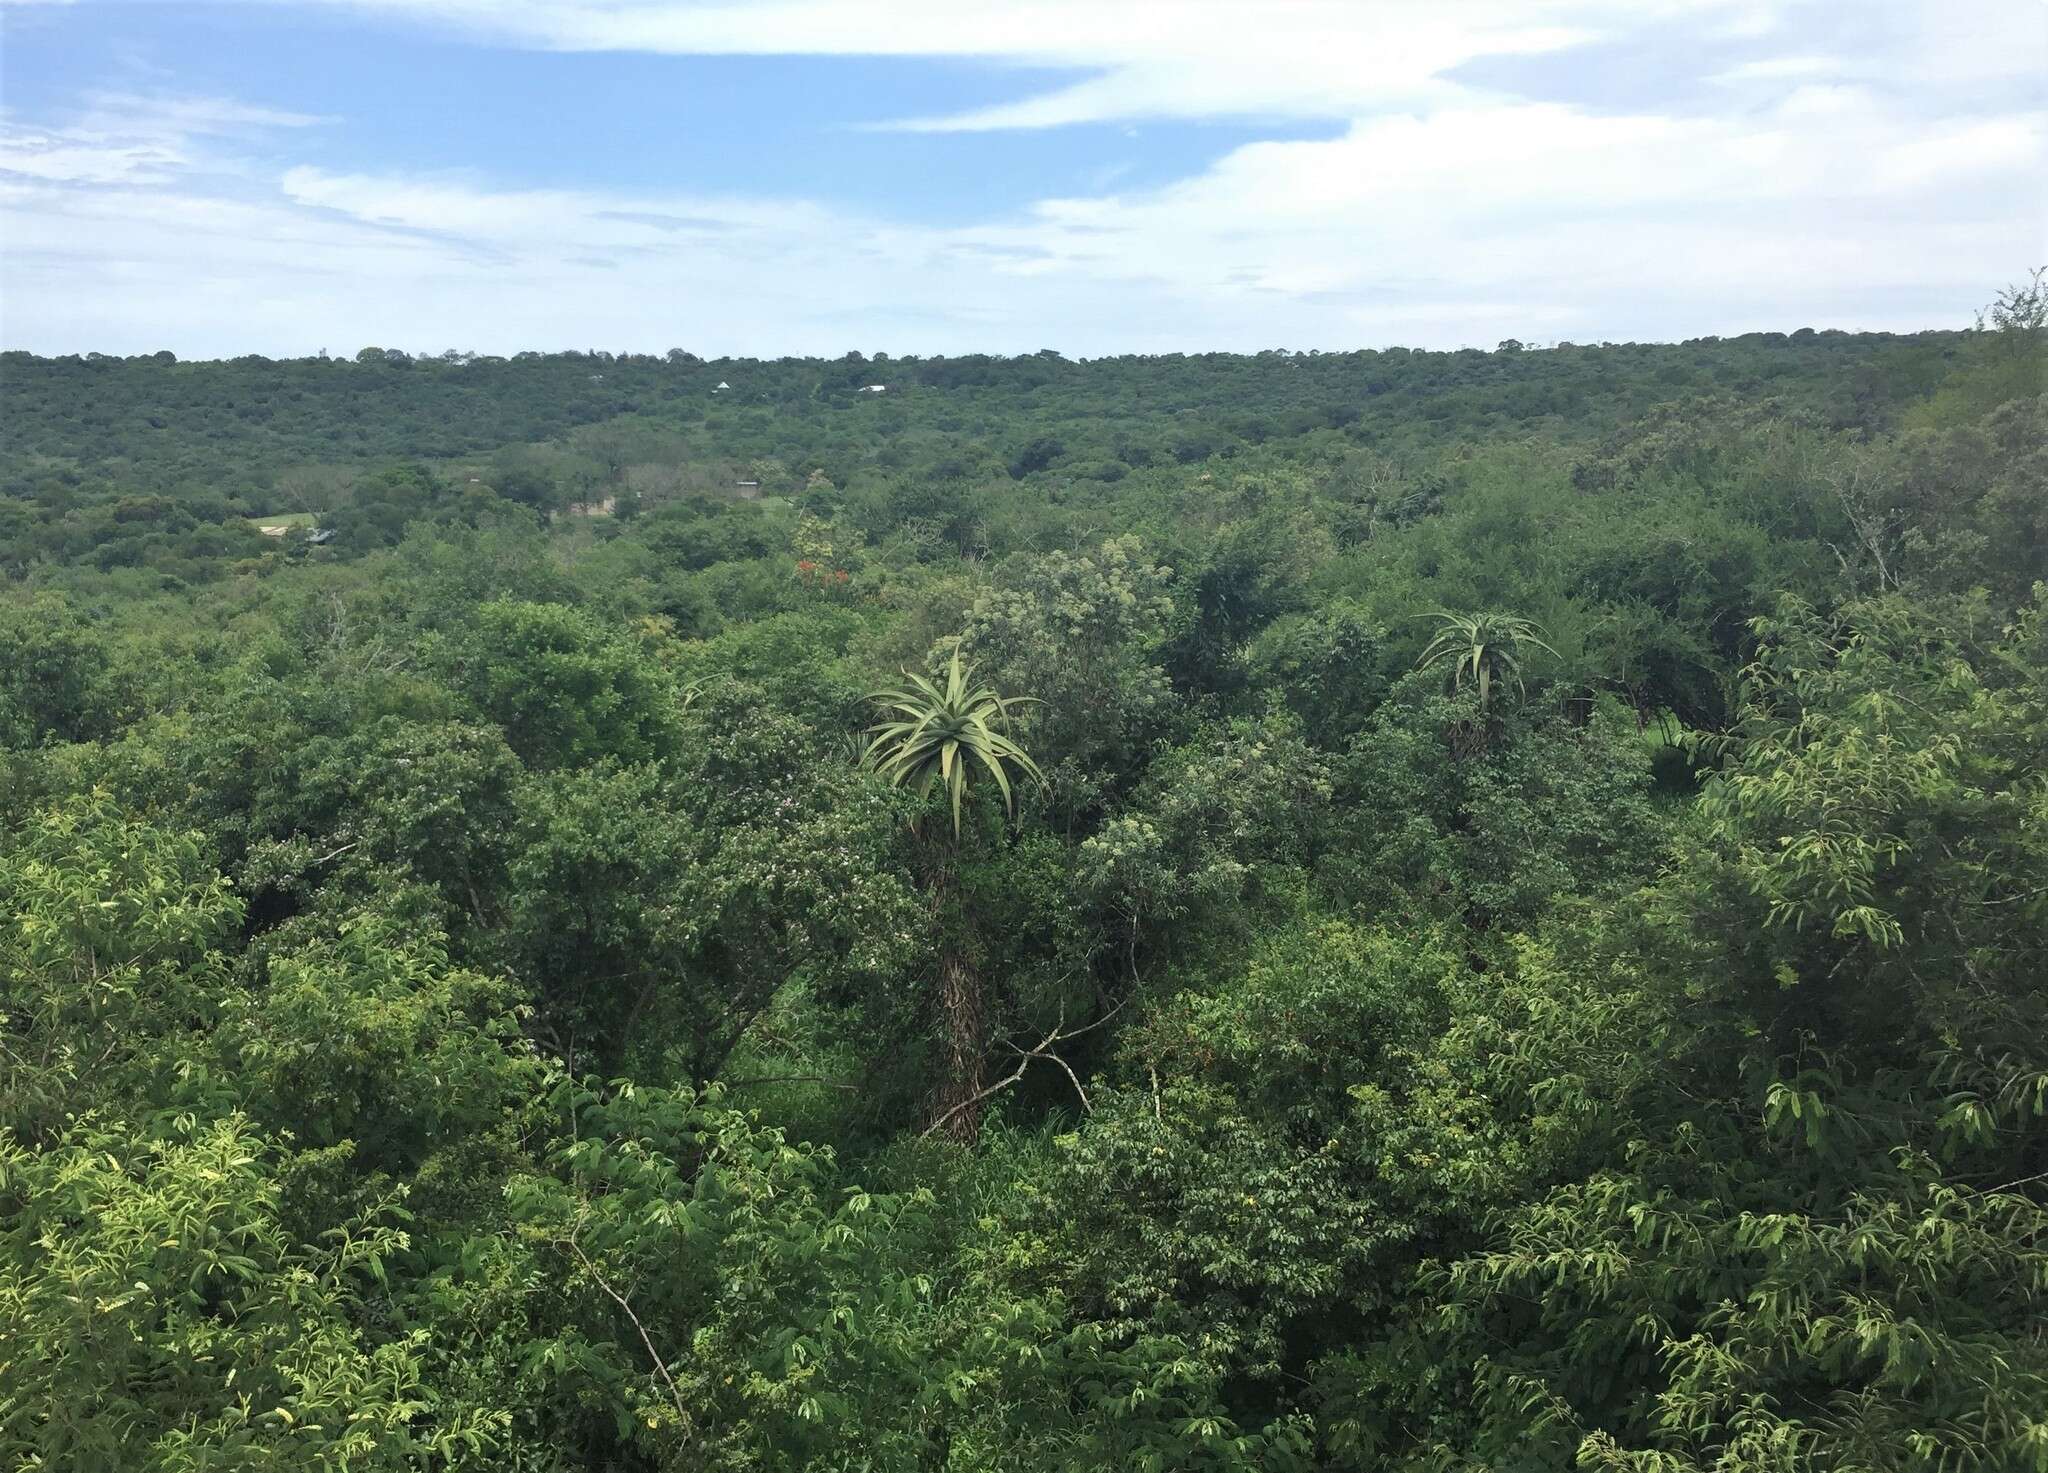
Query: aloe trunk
{"points": [[962, 1016], [957, 1100]]}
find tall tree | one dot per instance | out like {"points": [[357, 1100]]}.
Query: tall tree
{"points": [[936, 735], [1483, 649]]}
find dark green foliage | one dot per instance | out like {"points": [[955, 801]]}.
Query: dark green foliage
{"points": [[1489, 816], [1221, 830], [55, 678], [1326, 665], [565, 690], [1080, 636]]}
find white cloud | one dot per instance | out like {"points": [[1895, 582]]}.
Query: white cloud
{"points": [[1466, 224], [1563, 211]]}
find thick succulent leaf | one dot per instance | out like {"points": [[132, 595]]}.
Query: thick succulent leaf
{"points": [[941, 733]]}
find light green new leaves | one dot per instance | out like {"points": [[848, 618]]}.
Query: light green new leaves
{"points": [[160, 1315]]}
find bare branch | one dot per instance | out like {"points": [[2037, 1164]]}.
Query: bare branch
{"points": [[675, 1395], [1086, 1108], [334, 853], [972, 1100], [1043, 1050]]}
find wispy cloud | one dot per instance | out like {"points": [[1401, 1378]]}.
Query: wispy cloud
{"points": [[1143, 58], [1184, 59], [84, 158], [133, 138], [1783, 68], [182, 116]]}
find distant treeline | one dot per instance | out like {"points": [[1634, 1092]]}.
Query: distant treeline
{"points": [[160, 422]]}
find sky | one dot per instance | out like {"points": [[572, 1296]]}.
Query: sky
{"points": [[769, 177]]}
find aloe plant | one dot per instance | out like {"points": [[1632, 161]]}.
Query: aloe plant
{"points": [[940, 733], [1482, 649]]}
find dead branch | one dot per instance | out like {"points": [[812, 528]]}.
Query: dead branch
{"points": [[1042, 1050]]}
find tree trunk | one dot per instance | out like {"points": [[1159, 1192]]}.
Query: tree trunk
{"points": [[961, 1018]]}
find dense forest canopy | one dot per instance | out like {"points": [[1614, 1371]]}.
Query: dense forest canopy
{"points": [[1376, 910]]}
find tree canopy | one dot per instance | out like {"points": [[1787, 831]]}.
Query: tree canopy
{"points": [[1379, 911]]}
